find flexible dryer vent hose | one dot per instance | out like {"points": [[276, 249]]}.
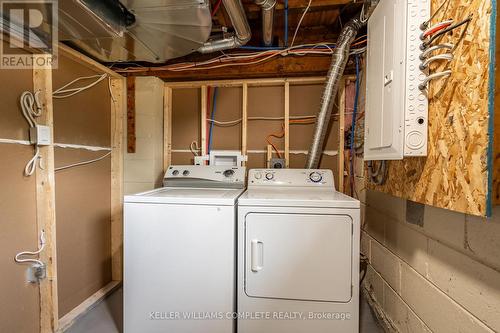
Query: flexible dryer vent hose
{"points": [[339, 62]]}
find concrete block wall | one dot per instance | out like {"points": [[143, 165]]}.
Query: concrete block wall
{"points": [[440, 276], [143, 170]]}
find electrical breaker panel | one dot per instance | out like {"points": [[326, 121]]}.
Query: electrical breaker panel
{"points": [[396, 109]]}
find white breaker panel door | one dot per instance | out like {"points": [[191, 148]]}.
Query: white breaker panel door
{"points": [[396, 109], [298, 257]]}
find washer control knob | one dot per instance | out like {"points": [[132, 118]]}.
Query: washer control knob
{"points": [[258, 175], [315, 177], [269, 176], [185, 173], [175, 172], [228, 173]]}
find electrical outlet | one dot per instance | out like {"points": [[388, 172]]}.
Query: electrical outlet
{"points": [[278, 163], [36, 272]]}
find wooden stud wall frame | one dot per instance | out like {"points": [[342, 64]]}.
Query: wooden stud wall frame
{"points": [[286, 83], [45, 194]]}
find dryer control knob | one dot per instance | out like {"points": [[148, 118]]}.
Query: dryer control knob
{"points": [[228, 173], [185, 173], [175, 172], [258, 175], [315, 177], [269, 176]]}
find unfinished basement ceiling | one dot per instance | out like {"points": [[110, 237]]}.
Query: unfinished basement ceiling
{"points": [[171, 29]]}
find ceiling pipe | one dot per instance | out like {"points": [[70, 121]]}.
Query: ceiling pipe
{"points": [[242, 32], [268, 7], [339, 61]]}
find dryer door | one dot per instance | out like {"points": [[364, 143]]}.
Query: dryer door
{"points": [[298, 256]]}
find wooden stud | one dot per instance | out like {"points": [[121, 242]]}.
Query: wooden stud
{"points": [[167, 128], [244, 122], [269, 155], [203, 117], [250, 82], [131, 140], [287, 124], [71, 317], [117, 120], [341, 104], [45, 204], [72, 54]]}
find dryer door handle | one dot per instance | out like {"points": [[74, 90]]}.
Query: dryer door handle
{"points": [[257, 255]]}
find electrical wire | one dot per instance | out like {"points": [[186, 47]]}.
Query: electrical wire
{"points": [[65, 91], [435, 28], [426, 23], [216, 8], [431, 49], [434, 76], [82, 163], [427, 62], [353, 125], [285, 35], [18, 256], [441, 33], [31, 108], [214, 109], [239, 120], [249, 58], [278, 136], [300, 22], [195, 149]]}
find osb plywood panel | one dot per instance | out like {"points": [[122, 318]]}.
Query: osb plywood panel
{"points": [[13, 125], [83, 118], [496, 150], [19, 305], [454, 175], [83, 213]]}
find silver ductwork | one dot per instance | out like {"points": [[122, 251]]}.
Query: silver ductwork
{"points": [[339, 62], [268, 7], [242, 32], [135, 30]]}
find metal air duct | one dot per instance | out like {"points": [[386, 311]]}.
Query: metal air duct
{"points": [[339, 62], [267, 20], [236, 12]]}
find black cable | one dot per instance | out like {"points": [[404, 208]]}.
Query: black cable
{"points": [[445, 31]]}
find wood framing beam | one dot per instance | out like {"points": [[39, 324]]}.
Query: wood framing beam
{"points": [[203, 119], [71, 317], [46, 204], [297, 4], [244, 122], [167, 128], [86, 61], [250, 83], [287, 124], [341, 159], [277, 68], [117, 87], [131, 140]]}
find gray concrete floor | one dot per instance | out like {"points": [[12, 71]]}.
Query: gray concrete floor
{"points": [[107, 317]]}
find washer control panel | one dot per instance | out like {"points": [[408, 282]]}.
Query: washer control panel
{"points": [[291, 177], [205, 176]]}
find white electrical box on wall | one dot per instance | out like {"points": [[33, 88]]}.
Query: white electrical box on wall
{"points": [[396, 109]]}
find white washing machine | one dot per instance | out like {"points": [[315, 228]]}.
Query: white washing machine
{"points": [[298, 254], [180, 252]]}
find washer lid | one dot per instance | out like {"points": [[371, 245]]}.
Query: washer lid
{"points": [[187, 196], [296, 197]]}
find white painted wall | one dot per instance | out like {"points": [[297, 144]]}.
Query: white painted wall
{"points": [[442, 277], [143, 170]]}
